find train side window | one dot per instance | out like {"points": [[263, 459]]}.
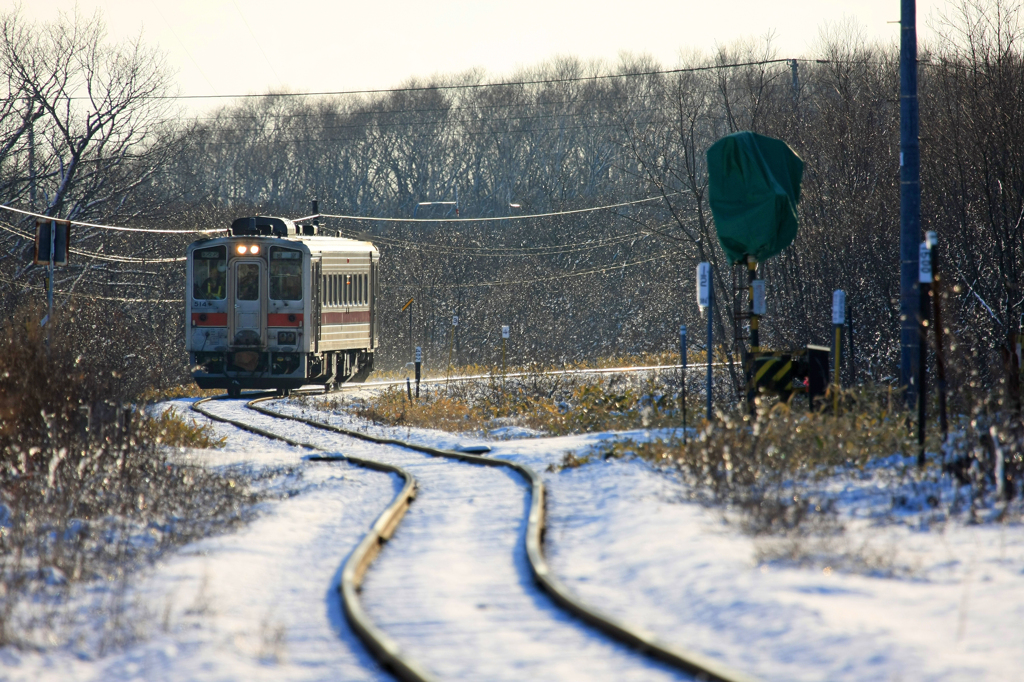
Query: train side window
{"points": [[209, 267], [362, 289], [285, 274]]}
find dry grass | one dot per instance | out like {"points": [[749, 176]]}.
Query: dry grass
{"points": [[764, 466], [552, 404], [784, 441], [190, 390], [662, 358], [86, 488], [173, 430], [771, 470]]}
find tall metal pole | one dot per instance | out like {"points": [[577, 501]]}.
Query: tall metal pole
{"points": [[755, 338], [796, 80], [31, 157], [711, 306], [910, 203], [49, 310]]}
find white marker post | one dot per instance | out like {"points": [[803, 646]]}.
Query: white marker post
{"points": [[760, 303], [682, 376], [705, 299], [838, 321], [504, 340]]}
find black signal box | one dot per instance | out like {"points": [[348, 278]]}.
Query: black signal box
{"points": [[61, 230]]}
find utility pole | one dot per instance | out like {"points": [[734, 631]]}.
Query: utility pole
{"points": [[796, 80], [31, 155], [910, 203]]}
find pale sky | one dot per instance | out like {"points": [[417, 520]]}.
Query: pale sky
{"points": [[249, 46]]}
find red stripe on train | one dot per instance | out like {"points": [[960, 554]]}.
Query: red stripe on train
{"points": [[346, 318], [209, 319], [284, 320]]}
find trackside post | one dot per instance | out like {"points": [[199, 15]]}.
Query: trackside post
{"points": [[838, 322], [504, 339], [924, 279], [451, 346], [51, 249], [682, 376], [705, 299], [419, 364]]}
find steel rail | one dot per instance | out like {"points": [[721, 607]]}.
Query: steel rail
{"points": [[383, 648], [513, 375], [690, 662]]}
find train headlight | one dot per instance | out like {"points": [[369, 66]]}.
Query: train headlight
{"points": [[241, 248], [255, 248]]}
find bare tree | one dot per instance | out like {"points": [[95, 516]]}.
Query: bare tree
{"points": [[94, 112]]}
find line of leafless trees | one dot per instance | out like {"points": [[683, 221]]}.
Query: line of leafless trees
{"points": [[562, 136]]}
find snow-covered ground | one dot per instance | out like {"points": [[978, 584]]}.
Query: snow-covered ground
{"points": [[453, 586], [260, 604], [891, 598]]}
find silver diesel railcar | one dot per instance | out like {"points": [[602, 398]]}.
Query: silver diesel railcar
{"points": [[277, 306]]}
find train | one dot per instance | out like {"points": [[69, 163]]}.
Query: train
{"points": [[276, 306]]}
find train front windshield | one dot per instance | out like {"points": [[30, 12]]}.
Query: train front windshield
{"points": [[285, 274], [209, 269]]}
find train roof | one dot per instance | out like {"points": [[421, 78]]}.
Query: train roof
{"points": [[264, 227]]}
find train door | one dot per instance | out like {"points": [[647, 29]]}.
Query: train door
{"points": [[374, 293], [248, 316], [314, 304]]}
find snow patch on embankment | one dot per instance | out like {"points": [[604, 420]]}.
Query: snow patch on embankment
{"points": [[258, 604], [889, 595]]}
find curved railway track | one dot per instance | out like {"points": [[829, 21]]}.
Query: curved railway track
{"points": [[387, 650], [384, 649]]}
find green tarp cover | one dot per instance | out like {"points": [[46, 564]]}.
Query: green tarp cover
{"points": [[754, 187]]}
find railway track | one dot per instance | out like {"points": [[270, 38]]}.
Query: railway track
{"points": [[518, 375], [528, 543]]}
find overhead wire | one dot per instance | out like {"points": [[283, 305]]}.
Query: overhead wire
{"points": [[500, 251], [484, 219], [97, 255], [475, 106], [95, 297], [493, 84], [109, 227]]}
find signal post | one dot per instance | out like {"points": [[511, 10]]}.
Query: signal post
{"points": [[51, 249]]}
